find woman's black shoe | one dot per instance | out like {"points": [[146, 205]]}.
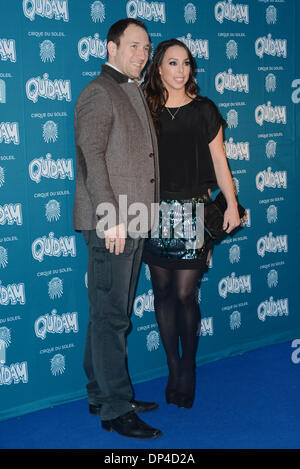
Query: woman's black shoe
{"points": [[132, 426], [184, 400], [171, 396]]}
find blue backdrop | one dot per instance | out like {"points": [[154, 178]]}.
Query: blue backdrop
{"points": [[247, 63]]}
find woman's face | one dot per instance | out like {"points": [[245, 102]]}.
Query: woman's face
{"points": [[175, 68]]}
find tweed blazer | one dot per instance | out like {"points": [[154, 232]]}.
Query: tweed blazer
{"points": [[116, 149]]}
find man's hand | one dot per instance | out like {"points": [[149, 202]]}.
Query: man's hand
{"points": [[115, 239]]}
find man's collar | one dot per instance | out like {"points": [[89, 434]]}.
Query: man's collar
{"points": [[117, 75]]}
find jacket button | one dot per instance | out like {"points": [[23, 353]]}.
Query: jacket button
{"points": [[151, 155], [152, 180]]}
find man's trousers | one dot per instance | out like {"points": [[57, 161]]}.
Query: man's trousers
{"points": [[112, 282]]}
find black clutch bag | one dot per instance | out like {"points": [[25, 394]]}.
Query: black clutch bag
{"points": [[214, 216]]}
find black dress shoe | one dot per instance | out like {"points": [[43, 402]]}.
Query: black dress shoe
{"points": [[132, 426], [138, 407]]}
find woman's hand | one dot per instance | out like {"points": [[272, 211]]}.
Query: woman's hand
{"points": [[231, 218]]}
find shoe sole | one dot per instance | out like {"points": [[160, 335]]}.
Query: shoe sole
{"points": [[111, 429]]}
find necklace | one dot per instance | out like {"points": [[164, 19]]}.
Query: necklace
{"points": [[173, 115]]}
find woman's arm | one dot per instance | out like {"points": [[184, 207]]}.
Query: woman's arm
{"points": [[225, 183]]}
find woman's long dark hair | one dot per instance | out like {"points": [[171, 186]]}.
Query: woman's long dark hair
{"points": [[155, 92]]}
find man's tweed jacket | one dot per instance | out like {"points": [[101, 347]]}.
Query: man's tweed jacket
{"points": [[116, 149]]}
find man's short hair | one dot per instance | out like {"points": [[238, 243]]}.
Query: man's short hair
{"points": [[117, 29]]}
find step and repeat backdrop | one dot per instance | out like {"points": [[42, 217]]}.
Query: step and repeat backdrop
{"points": [[247, 63]]}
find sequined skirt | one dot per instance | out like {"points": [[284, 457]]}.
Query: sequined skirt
{"points": [[179, 239]]}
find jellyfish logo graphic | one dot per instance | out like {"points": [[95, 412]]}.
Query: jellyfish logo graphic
{"points": [[2, 177], [97, 12], [231, 49], [52, 210], [58, 364], [271, 15], [234, 253], [270, 82], [272, 214], [152, 341], [5, 340], [190, 14], [3, 257], [147, 272], [271, 149], [50, 131], [47, 51], [55, 288], [235, 320], [272, 278], [232, 118]]}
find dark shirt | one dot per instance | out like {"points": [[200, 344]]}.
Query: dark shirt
{"points": [[185, 163]]}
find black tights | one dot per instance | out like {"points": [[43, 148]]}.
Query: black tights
{"points": [[177, 314]]}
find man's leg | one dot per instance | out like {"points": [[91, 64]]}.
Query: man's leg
{"points": [[111, 279]]}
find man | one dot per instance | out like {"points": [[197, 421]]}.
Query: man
{"points": [[116, 156]]}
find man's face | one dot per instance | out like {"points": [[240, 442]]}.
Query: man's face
{"points": [[132, 54]]}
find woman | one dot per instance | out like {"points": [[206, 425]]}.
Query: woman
{"points": [[192, 161]]}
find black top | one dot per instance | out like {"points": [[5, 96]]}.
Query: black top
{"points": [[185, 163]]}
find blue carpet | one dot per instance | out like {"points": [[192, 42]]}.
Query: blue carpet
{"points": [[250, 401]]}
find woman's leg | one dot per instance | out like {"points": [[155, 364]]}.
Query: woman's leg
{"points": [[165, 311], [186, 286]]}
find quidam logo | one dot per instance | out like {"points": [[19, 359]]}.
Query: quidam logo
{"points": [[12, 294], [272, 244], [143, 303], [44, 88], [205, 327], [271, 179], [269, 113], [11, 214], [231, 82], [51, 9], [55, 324], [231, 12], [150, 11], [198, 47], [9, 132], [14, 373], [92, 46], [269, 46], [8, 50], [48, 168], [273, 308], [53, 247], [233, 284], [237, 150]]}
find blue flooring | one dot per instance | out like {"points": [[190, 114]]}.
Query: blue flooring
{"points": [[250, 401]]}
